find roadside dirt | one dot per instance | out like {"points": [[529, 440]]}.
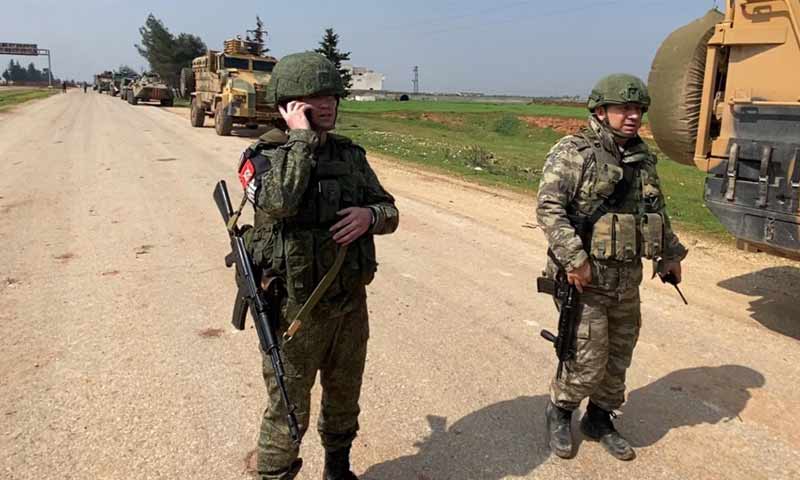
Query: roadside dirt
{"points": [[118, 360]]}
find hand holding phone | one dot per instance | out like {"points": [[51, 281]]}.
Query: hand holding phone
{"points": [[297, 115]]}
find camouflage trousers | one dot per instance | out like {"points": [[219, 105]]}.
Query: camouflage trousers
{"points": [[335, 345], [607, 335]]}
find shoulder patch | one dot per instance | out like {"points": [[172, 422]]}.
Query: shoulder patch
{"points": [[274, 136]]}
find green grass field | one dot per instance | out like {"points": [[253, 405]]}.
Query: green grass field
{"points": [[465, 107], [490, 144], [16, 96]]}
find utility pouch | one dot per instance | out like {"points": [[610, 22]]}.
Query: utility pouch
{"points": [[329, 198], [652, 228], [614, 238]]}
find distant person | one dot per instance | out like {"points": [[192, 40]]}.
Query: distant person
{"points": [[602, 210], [85, 86], [316, 200], [63, 86]]}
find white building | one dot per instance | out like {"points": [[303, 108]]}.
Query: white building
{"points": [[365, 79]]}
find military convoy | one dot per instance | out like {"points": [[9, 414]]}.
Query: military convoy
{"points": [[149, 87], [230, 87], [103, 82], [726, 98]]}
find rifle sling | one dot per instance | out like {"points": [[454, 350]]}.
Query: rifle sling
{"points": [[316, 295]]}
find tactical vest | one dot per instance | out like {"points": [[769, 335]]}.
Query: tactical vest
{"points": [[617, 211], [300, 248]]}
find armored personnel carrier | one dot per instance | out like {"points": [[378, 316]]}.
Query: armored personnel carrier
{"points": [[230, 87], [726, 98], [149, 87], [103, 82]]}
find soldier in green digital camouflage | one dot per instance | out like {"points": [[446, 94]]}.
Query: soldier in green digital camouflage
{"points": [[315, 195], [602, 209]]}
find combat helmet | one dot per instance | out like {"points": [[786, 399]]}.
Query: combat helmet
{"points": [[619, 89], [306, 74]]}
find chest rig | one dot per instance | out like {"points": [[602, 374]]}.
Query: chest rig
{"points": [[301, 248], [616, 210]]}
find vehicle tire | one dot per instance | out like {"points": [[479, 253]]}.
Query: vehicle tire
{"points": [[167, 102], [252, 126], [130, 97], [223, 123], [676, 87], [197, 114], [187, 82]]}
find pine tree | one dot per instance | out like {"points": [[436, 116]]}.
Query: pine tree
{"points": [[165, 53], [259, 38], [329, 46]]}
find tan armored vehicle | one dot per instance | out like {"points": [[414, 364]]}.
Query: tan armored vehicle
{"points": [[103, 82], [125, 85], [726, 98], [149, 87], [229, 86]]}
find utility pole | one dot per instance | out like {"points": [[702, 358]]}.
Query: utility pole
{"points": [[415, 80]]}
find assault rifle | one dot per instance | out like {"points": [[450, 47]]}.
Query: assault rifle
{"points": [[264, 304], [569, 317]]}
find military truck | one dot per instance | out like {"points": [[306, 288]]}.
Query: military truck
{"points": [[230, 87], [149, 87], [125, 87], [726, 98], [103, 81]]}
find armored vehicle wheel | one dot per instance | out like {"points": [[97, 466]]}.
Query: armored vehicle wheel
{"points": [[252, 126], [133, 100], [130, 98], [167, 102], [676, 87], [197, 115], [223, 123]]}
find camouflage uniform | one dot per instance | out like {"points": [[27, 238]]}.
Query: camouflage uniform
{"points": [[304, 186], [580, 173]]}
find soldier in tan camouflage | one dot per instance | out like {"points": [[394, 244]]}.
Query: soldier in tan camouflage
{"points": [[318, 206], [602, 209]]}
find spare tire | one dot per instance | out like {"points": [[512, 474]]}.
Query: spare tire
{"points": [[676, 87], [187, 82]]}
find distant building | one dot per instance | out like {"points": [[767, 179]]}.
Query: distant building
{"points": [[364, 78]]}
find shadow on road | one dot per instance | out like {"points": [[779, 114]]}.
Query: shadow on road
{"points": [[688, 397], [501, 440], [775, 306], [508, 438]]}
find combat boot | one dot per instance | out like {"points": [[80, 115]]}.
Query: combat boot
{"points": [[559, 430], [337, 465], [597, 425]]}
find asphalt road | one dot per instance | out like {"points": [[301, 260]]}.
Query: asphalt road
{"points": [[117, 358]]}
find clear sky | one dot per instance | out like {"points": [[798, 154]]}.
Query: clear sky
{"points": [[535, 47]]}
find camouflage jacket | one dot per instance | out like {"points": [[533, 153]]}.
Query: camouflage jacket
{"points": [[576, 182], [304, 186]]}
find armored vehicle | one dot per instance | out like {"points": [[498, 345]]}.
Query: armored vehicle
{"points": [[726, 98], [229, 86], [103, 81], [125, 87], [149, 87]]}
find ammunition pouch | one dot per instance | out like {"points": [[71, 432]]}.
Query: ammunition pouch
{"points": [[614, 237], [652, 231]]}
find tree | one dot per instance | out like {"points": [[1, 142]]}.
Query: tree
{"points": [[127, 71], [329, 46], [166, 53], [259, 38]]}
